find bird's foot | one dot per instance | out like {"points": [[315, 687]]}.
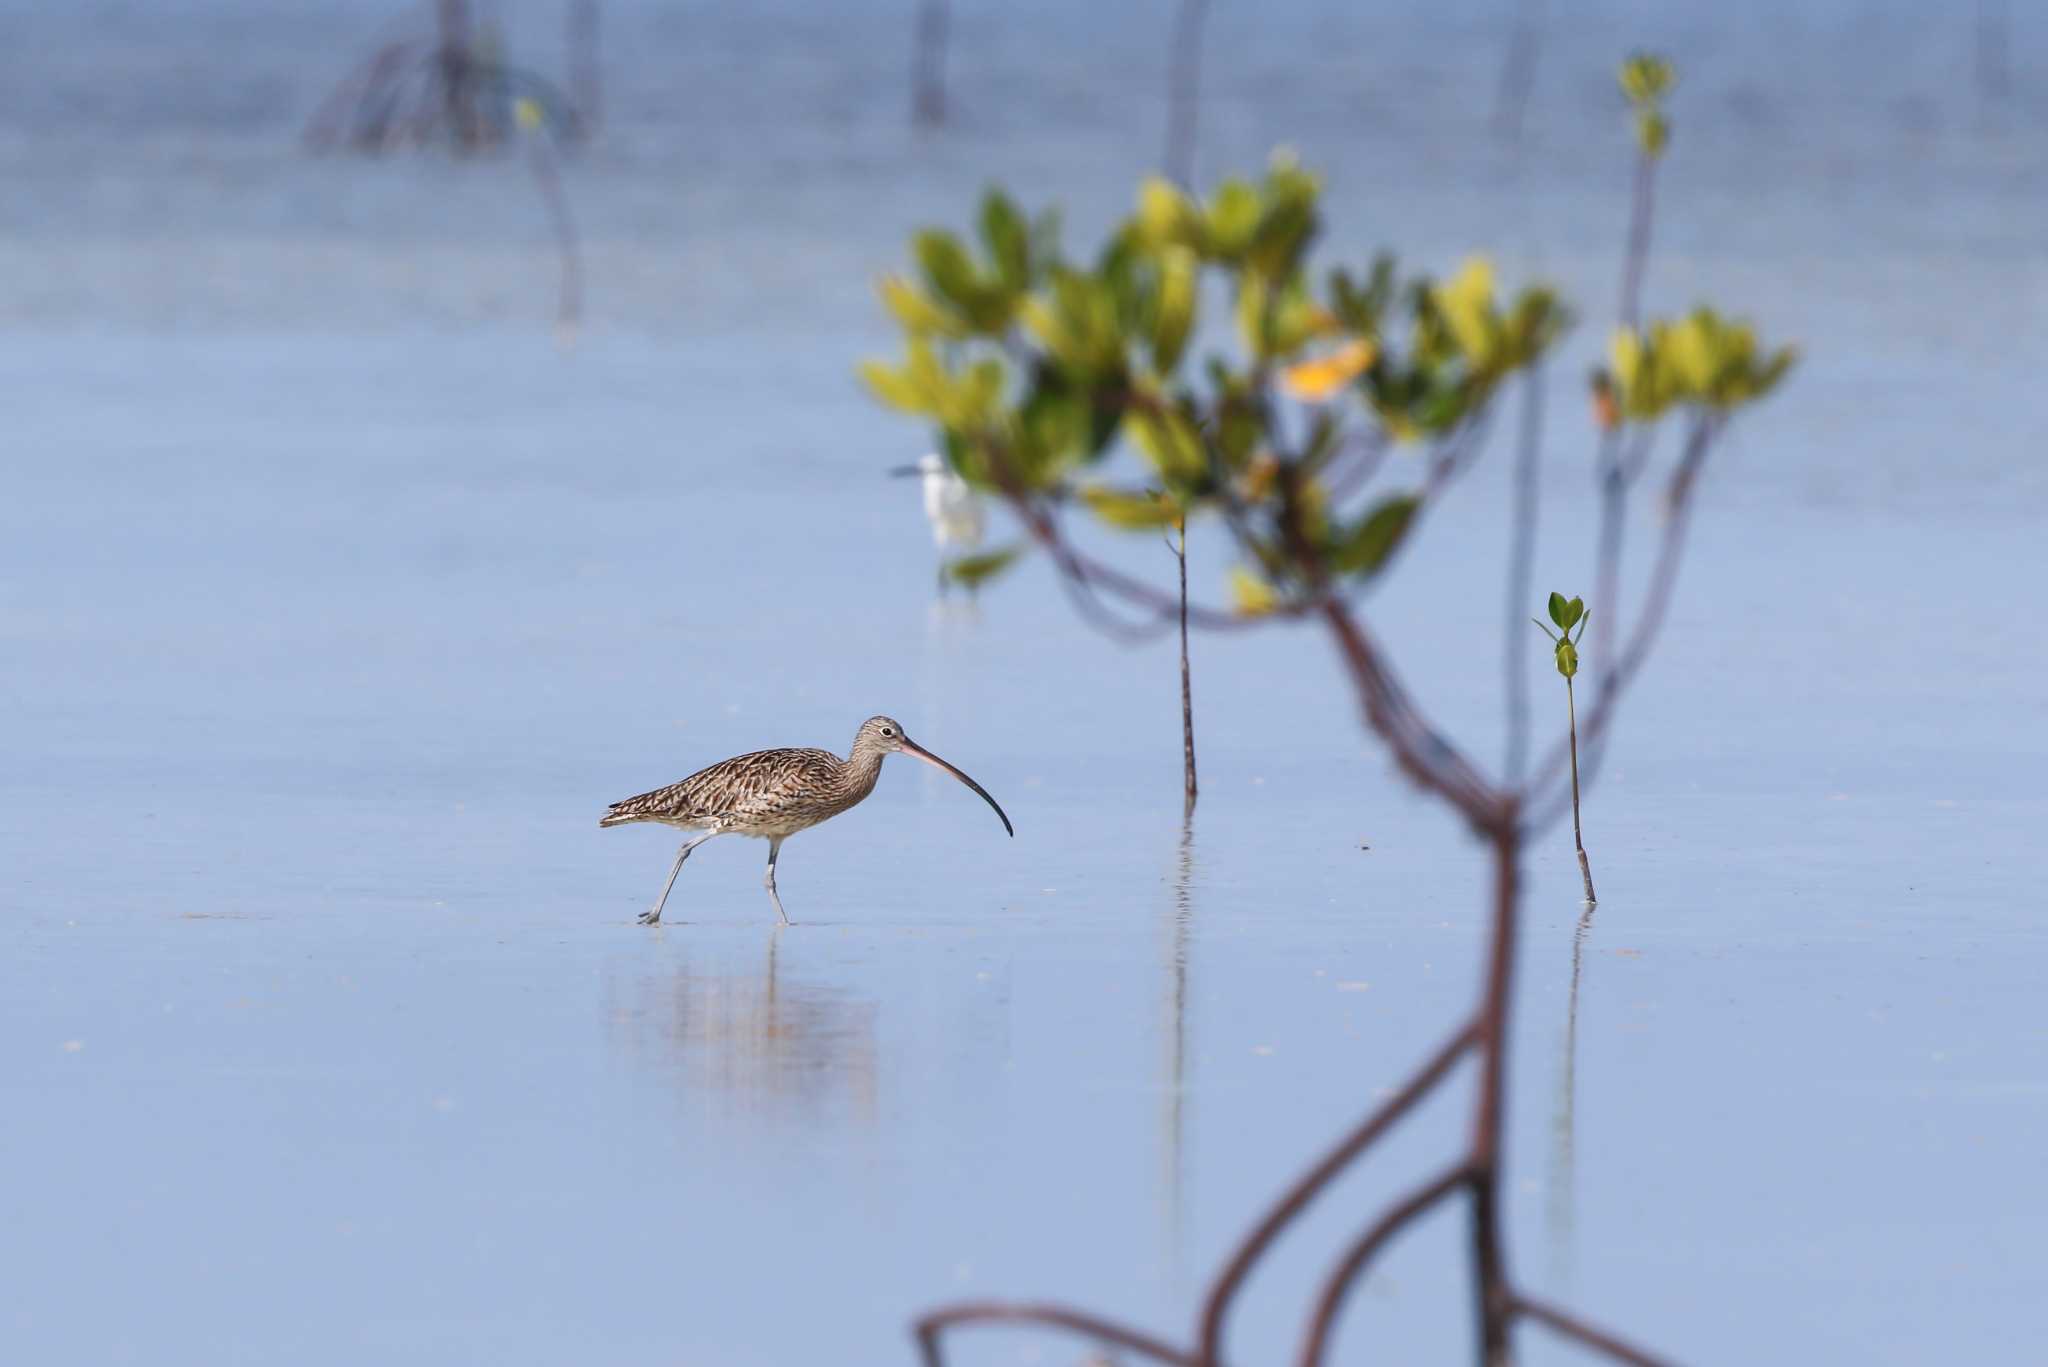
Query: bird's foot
{"points": [[651, 918]]}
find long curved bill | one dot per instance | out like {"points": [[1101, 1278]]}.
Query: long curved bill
{"points": [[912, 748], [901, 471]]}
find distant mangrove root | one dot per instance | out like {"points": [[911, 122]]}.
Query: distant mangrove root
{"points": [[928, 63], [454, 90], [1184, 92]]}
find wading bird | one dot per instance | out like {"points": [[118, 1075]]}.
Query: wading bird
{"points": [[773, 794], [953, 509]]}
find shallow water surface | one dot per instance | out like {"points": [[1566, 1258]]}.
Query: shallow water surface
{"points": [[339, 601]]}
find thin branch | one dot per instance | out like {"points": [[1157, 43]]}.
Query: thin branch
{"points": [[1636, 454], [569, 304], [1642, 202], [1620, 465], [1372, 450], [1183, 92], [1187, 695], [324, 129], [1517, 72], [586, 79], [1362, 1251], [1578, 1330], [1420, 751], [1521, 563], [1454, 455], [1551, 772], [1216, 1305], [929, 1327], [1093, 575]]}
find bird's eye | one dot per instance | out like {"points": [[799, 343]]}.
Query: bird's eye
{"points": [[888, 730]]}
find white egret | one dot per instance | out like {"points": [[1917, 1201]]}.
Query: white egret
{"points": [[953, 509]]}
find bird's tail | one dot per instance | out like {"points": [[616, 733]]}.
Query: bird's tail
{"points": [[616, 817]]}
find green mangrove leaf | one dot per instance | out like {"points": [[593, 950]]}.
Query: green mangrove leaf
{"points": [[1646, 77], [1166, 217], [1366, 548], [1169, 440], [975, 570], [1008, 239], [1250, 595], [1653, 132], [917, 312], [894, 387], [948, 269], [1174, 320], [1146, 511], [1465, 302], [1233, 217]]}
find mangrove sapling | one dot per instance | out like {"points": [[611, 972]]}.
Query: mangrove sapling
{"points": [[1567, 616], [1039, 372]]}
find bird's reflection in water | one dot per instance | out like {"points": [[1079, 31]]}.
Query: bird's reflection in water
{"points": [[763, 1040], [1563, 1169], [1173, 1085]]}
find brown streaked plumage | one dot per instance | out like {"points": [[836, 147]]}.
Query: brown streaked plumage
{"points": [[773, 794]]}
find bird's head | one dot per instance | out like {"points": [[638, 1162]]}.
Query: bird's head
{"points": [[884, 736], [931, 463]]}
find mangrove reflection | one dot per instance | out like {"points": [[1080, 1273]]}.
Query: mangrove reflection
{"points": [[766, 1040], [1173, 1085], [1563, 1169]]}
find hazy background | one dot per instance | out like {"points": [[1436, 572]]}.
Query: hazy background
{"points": [[337, 599]]}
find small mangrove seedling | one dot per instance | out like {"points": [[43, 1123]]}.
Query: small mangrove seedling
{"points": [[1571, 616]]}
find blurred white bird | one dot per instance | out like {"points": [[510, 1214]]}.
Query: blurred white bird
{"points": [[953, 509]]}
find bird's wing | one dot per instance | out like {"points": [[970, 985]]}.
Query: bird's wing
{"points": [[746, 787], [778, 781]]}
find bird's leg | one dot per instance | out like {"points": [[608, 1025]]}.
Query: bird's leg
{"points": [[774, 848], [942, 575], [653, 918]]}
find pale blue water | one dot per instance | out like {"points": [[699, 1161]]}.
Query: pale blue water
{"points": [[337, 601]]}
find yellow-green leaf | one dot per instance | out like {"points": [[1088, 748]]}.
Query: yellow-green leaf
{"points": [[917, 311], [1691, 350], [1250, 595], [1646, 77], [1466, 303], [1131, 511], [1170, 442], [1166, 217], [1233, 217], [948, 269], [894, 388], [1178, 273], [973, 570], [1314, 381]]}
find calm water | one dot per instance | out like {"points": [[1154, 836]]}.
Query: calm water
{"points": [[337, 600]]}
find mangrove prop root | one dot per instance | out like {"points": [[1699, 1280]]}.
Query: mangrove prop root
{"points": [[1475, 1174]]}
